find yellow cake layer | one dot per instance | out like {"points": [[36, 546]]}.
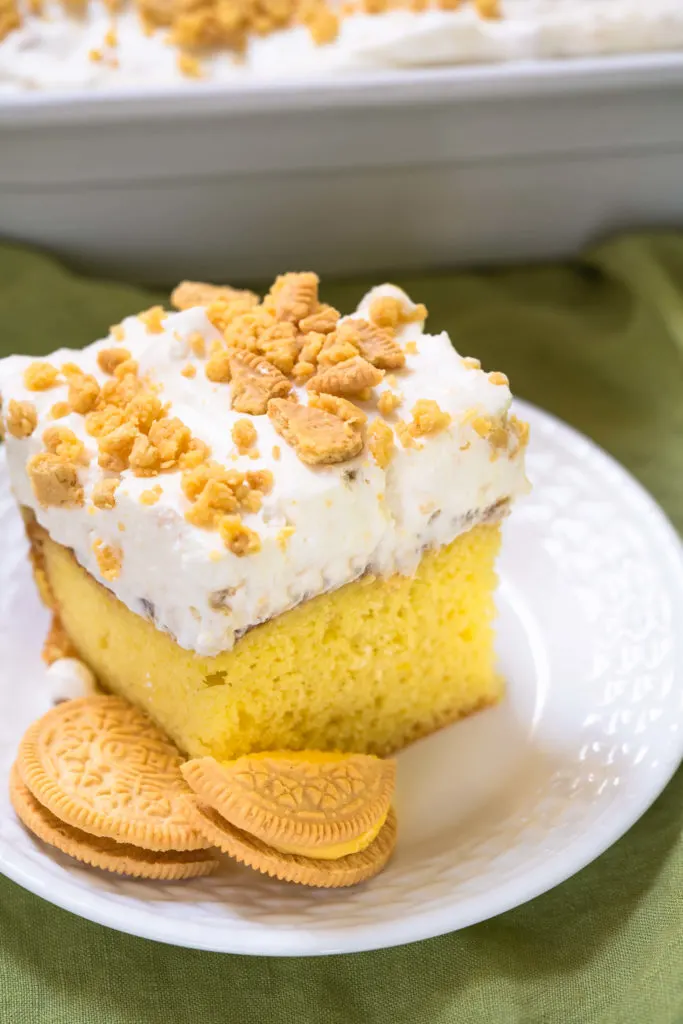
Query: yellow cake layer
{"points": [[367, 668]]}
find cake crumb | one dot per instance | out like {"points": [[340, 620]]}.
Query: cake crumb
{"points": [[103, 495], [21, 419], [428, 418], [381, 442], [109, 559], [237, 537], [244, 435], [109, 358], [41, 376]]}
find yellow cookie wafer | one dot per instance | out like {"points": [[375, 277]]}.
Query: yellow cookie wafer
{"points": [[307, 799], [121, 858], [289, 867], [102, 766]]}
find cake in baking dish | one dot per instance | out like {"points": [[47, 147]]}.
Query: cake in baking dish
{"points": [[269, 525]]}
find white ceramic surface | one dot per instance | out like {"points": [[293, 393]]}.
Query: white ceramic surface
{"points": [[347, 174], [492, 811]]}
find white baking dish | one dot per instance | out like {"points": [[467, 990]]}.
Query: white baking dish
{"points": [[366, 172]]}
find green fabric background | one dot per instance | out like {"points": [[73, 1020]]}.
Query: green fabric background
{"points": [[600, 343]]}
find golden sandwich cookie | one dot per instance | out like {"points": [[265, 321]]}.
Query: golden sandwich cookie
{"points": [[317, 818], [120, 858], [100, 765]]}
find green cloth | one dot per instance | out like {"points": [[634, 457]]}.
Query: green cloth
{"points": [[600, 343]]}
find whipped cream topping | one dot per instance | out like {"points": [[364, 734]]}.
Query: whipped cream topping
{"points": [[319, 527], [52, 52]]}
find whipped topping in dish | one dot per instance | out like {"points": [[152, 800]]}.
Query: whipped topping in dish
{"points": [[319, 526], [55, 50]]}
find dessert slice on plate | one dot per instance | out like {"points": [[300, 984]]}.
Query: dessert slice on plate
{"points": [[271, 526]]}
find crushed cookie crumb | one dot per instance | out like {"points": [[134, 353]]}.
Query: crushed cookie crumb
{"points": [[153, 319], [323, 24], [390, 311], [189, 370], [284, 536], [115, 448], [405, 435], [109, 358], [470, 363], [498, 378], [237, 537], [63, 443], [351, 377], [171, 438], [55, 482], [244, 435], [145, 457], [318, 435], [293, 297], [117, 332], [255, 382], [59, 410], [151, 496], [109, 559], [378, 345], [199, 293], [428, 418], [388, 402], [278, 344], [197, 344], [189, 66], [276, 452], [83, 392], [411, 348], [489, 9], [41, 376], [381, 442], [322, 321], [21, 418], [217, 367], [103, 493]]}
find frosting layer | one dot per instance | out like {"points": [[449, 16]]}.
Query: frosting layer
{"points": [[53, 52], [319, 526]]}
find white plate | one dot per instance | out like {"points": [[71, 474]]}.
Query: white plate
{"points": [[492, 811]]}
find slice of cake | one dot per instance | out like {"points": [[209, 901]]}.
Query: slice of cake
{"points": [[270, 526]]}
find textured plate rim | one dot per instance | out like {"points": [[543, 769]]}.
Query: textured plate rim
{"points": [[302, 941]]}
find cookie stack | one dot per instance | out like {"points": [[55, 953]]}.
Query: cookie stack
{"points": [[96, 779]]}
